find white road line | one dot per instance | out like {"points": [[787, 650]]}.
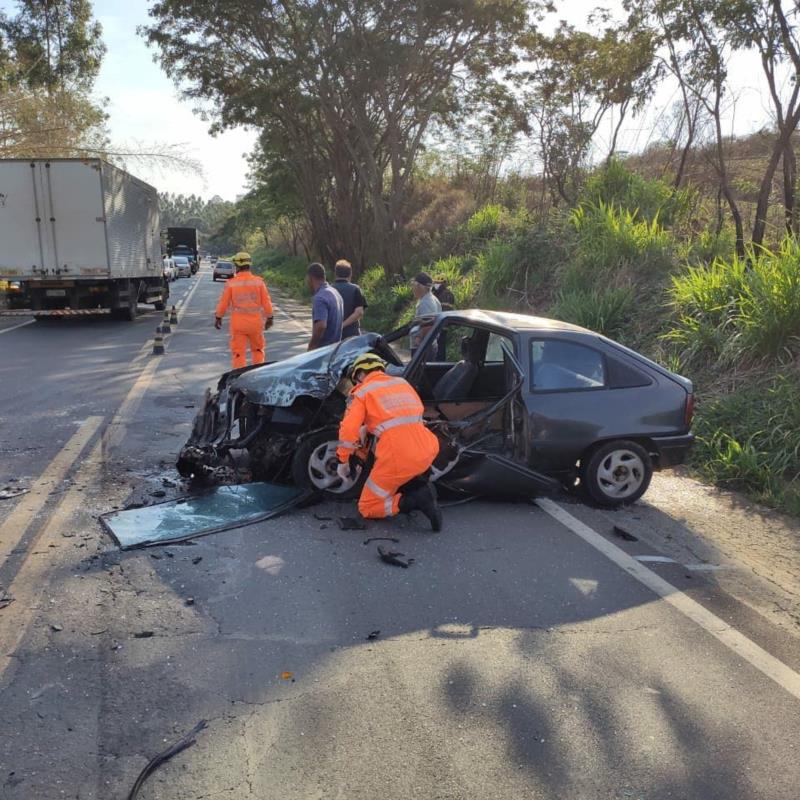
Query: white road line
{"points": [[14, 327], [756, 656], [656, 559]]}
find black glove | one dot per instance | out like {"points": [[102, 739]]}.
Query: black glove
{"points": [[268, 323], [218, 322]]}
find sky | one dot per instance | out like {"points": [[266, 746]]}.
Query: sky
{"points": [[144, 107]]}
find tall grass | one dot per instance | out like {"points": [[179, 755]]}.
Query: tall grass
{"points": [[750, 441], [649, 200], [612, 241], [739, 308], [607, 311]]}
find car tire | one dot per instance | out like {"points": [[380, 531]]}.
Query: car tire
{"points": [[616, 473], [313, 467]]}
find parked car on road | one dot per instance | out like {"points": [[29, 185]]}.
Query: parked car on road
{"points": [[224, 270], [183, 266], [521, 405], [170, 272]]}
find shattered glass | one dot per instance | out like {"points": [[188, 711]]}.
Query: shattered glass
{"points": [[220, 509], [312, 374]]}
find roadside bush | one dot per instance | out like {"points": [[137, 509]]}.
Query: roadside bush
{"points": [[611, 242], [607, 311], [488, 222], [750, 441], [651, 200], [739, 308], [282, 270]]}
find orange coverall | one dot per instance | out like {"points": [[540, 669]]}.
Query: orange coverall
{"points": [[248, 298], [391, 411]]}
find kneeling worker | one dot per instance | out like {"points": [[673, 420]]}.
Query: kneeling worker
{"points": [[391, 411], [251, 312]]}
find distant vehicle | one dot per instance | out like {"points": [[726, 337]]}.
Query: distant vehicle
{"points": [[223, 269], [522, 406], [183, 267], [170, 273], [79, 236], [183, 242], [214, 259]]}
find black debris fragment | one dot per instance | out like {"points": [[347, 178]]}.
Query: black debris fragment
{"points": [[393, 558], [322, 518], [190, 601], [5, 599], [196, 560], [351, 523], [56, 627], [623, 534], [158, 493], [129, 506], [166, 755], [381, 539], [10, 492], [143, 635], [372, 635]]}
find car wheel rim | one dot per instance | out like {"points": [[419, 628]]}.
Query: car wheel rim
{"points": [[621, 474], [322, 470]]}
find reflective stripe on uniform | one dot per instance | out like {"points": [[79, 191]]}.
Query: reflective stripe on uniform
{"points": [[388, 497], [366, 389], [347, 445], [396, 422]]}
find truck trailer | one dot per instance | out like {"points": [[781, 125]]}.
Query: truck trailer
{"points": [[183, 242], [78, 236]]}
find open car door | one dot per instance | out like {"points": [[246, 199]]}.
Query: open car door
{"points": [[484, 453]]}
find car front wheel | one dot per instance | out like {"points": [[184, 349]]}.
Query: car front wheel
{"points": [[314, 467], [616, 473]]}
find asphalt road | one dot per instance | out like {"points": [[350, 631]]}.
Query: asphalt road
{"points": [[527, 653]]}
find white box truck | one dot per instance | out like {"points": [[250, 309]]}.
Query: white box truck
{"points": [[78, 236]]}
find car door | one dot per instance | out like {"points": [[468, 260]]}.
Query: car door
{"points": [[567, 383]]}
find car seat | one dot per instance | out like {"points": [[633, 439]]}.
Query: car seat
{"points": [[457, 382]]}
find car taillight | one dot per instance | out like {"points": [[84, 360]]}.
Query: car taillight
{"points": [[688, 415]]}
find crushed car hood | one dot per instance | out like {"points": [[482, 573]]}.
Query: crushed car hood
{"points": [[311, 374]]}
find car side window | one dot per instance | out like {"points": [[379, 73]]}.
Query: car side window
{"points": [[494, 348], [565, 366]]}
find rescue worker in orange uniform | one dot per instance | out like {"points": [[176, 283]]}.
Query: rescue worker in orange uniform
{"points": [[251, 312], [389, 409]]}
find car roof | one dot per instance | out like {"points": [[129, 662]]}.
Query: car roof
{"points": [[507, 319]]}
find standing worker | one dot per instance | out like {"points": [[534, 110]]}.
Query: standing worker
{"points": [[352, 298], [327, 310], [391, 411], [251, 312], [427, 305], [445, 296]]}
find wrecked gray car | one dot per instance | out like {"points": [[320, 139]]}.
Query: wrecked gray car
{"points": [[522, 406]]}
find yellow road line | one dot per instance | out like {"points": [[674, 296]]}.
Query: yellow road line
{"points": [[33, 575], [16, 524]]}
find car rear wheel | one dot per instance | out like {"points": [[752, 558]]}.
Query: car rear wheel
{"points": [[314, 467], [616, 473]]}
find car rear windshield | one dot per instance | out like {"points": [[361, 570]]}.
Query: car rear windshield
{"points": [[225, 264]]}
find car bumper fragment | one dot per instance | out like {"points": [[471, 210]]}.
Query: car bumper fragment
{"points": [[673, 450]]}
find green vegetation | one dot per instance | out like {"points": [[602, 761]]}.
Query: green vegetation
{"points": [[613, 265]]}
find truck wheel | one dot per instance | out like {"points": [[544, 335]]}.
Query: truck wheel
{"points": [[127, 312], [314, 467], [616, 473]]}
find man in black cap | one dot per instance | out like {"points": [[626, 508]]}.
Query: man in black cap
{"points": [[427, 305]]}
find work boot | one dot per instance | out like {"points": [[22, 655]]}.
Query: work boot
{"points": [[423, 500]]}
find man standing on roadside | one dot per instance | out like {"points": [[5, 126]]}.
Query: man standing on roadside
{"points": [[427, 305], [247, 297], [327, 310], [352, 298]]}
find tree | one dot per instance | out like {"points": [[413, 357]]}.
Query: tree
{"points": [[344, 92], [50, 54], [577, 77]]}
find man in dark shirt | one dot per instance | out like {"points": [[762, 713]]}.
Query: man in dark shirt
{"points": [[352, 297], [326, 309]]}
